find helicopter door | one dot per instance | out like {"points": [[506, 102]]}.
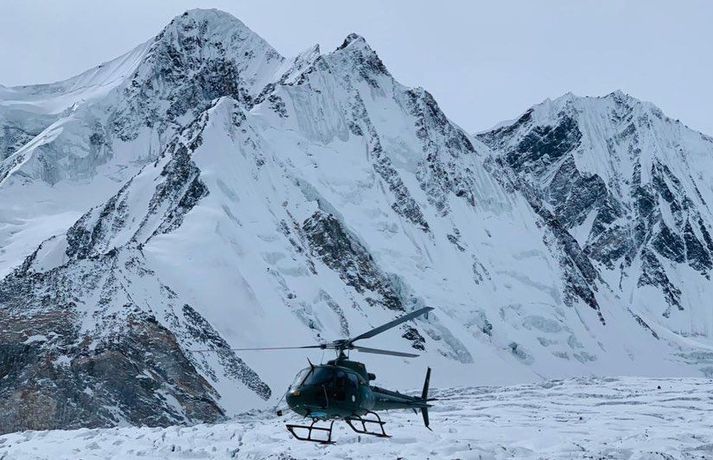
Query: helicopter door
{"points": [[353, 388]]}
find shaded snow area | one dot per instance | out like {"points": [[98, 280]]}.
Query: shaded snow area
{"points": [[627, 418]]}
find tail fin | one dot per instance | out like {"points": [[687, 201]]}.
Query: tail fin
{"points": [[424, 396]]}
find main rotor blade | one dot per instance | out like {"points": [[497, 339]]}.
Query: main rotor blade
{"points": [[389, 325], [377, 351], [258, 349]]}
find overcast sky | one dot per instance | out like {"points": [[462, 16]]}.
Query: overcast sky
{"points": [[483, 61]]}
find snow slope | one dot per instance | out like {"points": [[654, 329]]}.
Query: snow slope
{"points": [[633, 187], [269, 201], [67, 146], [628, 418]]}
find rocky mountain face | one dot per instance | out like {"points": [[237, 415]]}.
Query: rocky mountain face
{"points": [[632, 187], [202, 193]]}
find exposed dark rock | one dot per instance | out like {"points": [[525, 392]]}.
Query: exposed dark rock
{"points": [[669, 244], [179, 192], [202, 331], [12, 138], [417, 340], [696, 253], [57, 374], [366, 63], [643, 324], [442, 172], [341, 252], [542, 146], [653, 274], [455, 241], [574, 196], [188, 67]]}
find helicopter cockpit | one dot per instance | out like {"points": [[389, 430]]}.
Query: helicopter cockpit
{"points": [[312, 376], [336, 382]]}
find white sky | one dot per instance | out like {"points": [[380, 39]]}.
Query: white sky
{"points": [[484, 62]]}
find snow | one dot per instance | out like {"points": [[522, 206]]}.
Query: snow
{"points": [[613, 418], [621, 135], [32, 212], [239, 257], [89, 86], [581, 232], [35, 338]]}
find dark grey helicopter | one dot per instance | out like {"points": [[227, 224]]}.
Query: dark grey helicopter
{"points": [[340, 389]]}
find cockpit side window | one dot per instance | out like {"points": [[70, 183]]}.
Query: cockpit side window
{"points": [[353, 381]]}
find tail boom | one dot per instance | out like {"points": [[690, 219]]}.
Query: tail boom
{"points": [[387, 399]]}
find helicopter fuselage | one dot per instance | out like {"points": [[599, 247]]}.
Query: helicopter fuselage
{"points": [[340, 389]]}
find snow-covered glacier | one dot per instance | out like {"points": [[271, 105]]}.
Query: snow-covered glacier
{"points": [[205, 192], [613, 418]]}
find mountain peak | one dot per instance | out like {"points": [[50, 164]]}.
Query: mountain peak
{"points": [[212, 39], [617, 102], [618, 96], [355, 49], [212, 24], [211, 16], [355, 39], [624, 99], [199, 56], [617, 93]]}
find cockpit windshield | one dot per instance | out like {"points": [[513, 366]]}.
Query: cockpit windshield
{"points": [[313, 376], [300, 377], [319, 376]]}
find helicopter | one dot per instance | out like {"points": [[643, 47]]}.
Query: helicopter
{"points": [[341, 390]]}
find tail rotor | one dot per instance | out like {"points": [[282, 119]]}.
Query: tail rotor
{"points": [[424, 397]]}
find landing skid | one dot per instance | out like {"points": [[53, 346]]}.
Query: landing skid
{"points": [[358, 424], [310, 430], [365, 422]]}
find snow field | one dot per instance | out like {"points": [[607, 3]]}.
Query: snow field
{"points": [[609, 418]]}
